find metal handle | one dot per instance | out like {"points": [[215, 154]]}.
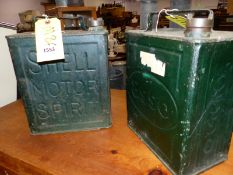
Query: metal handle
{"points": [[198, 27], [189, 13]]}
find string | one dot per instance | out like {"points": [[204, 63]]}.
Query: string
{"points": [[166, 11], [170, 10], [156, 27], [46, 18]]}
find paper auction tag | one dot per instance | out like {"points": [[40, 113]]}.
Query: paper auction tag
{"points": [[180, 20], [49, 44]]}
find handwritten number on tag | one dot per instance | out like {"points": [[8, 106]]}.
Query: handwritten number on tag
{"points": [[51, 49]]}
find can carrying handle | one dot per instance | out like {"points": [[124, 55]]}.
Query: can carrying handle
{"points": [[188, 13], [210, 15]]}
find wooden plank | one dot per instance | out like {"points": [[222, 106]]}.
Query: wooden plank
{"points": [[5, 171], [113, 151], [230, 7]]}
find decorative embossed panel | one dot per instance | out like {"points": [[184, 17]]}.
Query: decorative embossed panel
{"points": [[153, 100], [65, 95]]}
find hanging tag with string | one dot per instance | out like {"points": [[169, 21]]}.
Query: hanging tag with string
{"points": [[49, 44], [179, 20]]}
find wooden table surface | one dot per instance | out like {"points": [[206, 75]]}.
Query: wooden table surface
{"points": [[114, 151]]}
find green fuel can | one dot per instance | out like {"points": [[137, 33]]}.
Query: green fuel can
{"points": [[67, 95], [179, 96]]}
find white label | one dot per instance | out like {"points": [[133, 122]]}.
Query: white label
{"points": [[49, 44], [157, 66]]}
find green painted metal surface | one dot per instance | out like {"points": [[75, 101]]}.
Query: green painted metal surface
{"points": [[64, 95], [185, 115]]}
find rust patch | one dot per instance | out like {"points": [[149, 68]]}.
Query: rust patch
{"points": [[114, 151], [156, 172]]}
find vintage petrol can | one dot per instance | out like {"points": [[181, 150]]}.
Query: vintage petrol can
{"points": [[179, 96], [64, 95]]}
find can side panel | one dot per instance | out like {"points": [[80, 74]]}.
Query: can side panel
{"points": [[19, 75], [156, 103], [64, 95], [198, 80], [211, 120]]}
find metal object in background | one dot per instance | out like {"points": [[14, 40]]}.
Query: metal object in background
{"points": [[81, 22], [95, 24], [72, 22], [61, 3], [120, 65], [69, 21], [67, 95], [75, 2], [116, 78], [179, 96], [147, 7]]}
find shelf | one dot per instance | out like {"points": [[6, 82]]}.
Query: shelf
{"points": [[52, 10]]}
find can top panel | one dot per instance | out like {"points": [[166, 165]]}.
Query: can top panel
{"points": [[64, 33], [178, 34]]}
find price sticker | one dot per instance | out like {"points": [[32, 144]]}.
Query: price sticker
{"points": [[148, 59], [49, 44]]}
